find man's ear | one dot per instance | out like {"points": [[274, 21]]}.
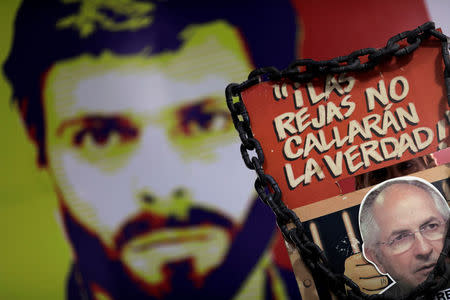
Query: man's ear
{"points": [[23, 109], [371, 256], [33, 127]]}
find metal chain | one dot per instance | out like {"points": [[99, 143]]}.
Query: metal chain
{"points": [[291, 227]]}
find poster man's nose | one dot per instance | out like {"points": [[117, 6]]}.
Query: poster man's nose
{"points": [[157, 167], [422, 246]]}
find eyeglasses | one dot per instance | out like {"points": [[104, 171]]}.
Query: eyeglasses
{"points": [[431, 231]]}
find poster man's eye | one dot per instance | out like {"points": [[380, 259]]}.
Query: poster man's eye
{"points": [[407, 165], [202, 117], [431, 226], [101, 130]]}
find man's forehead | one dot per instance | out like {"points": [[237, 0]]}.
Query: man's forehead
{"points": [[127, 91], [400, 201], [141, 83], [398, 192]]}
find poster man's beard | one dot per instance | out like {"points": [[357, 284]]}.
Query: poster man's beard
{"points": [[97, 267]]}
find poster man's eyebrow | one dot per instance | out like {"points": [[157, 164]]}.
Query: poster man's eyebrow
{"points": [[430, 219], [68, 123], [396, 232], [93, 120]]}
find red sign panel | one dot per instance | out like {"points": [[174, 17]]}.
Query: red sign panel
{"points": [[317, 133]]}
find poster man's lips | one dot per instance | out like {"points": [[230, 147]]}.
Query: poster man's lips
{"points": [[168, 237], [148, 227], [425, 268], [150, 255]]}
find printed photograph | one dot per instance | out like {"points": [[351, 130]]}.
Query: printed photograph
{"points": [[403, 223]]}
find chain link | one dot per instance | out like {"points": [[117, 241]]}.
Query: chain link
{"points": [[291, 227]]}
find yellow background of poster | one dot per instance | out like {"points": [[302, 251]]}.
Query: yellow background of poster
{"points": [[34, 257]]}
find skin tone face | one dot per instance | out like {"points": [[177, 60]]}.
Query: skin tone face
{"points": [[401, 169], [404, 208], [149, 138]]}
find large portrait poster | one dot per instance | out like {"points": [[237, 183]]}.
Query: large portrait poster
{"points": [[113, 129], [339, 140]]}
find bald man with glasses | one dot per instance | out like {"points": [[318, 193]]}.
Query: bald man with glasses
{"points": [[403, 222]]}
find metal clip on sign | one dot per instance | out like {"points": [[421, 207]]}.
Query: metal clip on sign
{"points": [[292, 228]]}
